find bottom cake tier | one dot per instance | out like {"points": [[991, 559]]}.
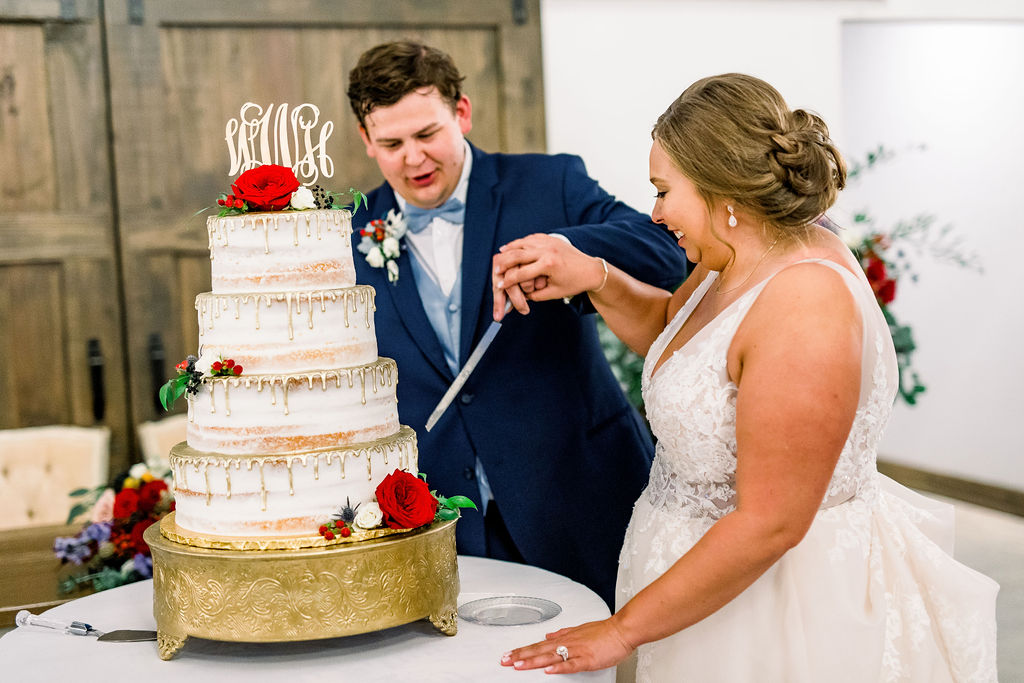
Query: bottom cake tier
{"points": [[284, 494]]}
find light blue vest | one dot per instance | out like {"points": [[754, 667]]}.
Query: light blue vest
{"points": [[443, 312]]}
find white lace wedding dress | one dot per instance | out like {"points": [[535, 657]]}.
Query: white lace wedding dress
{"points": [[870, 594]]}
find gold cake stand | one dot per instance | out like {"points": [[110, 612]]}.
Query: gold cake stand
{"points": [[303, 594]]}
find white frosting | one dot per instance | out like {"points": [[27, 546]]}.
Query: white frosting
{"points": [[277, 496], [281, 250], [260, 414], [313, 418], [287, 332]]}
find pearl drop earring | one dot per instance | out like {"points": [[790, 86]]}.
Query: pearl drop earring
{"points": [[732, 217]]}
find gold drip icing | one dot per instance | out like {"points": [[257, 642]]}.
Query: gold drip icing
{"points": [[382, 373], [263, 489], [183, 456], [288, 308], [206, 478], [211, 305]]}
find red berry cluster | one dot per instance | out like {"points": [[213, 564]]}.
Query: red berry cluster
{"points": [[335, 528], [231, 202], [375, 229], [225, 368]]}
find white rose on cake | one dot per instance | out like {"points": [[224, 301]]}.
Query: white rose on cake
{"points": [[302, 198], [369, 516], [204, 364]]}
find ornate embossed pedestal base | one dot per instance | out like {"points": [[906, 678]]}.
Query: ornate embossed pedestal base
{"points": [[282, 595]]}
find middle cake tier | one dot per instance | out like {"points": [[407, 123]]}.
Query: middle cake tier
{"points": [[282, 332], [286, 413]]}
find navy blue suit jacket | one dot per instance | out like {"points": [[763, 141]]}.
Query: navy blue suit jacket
{"points": [[565, 454]]}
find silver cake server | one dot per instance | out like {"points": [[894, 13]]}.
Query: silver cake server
{"points": [[80, 628], [467, 369]]}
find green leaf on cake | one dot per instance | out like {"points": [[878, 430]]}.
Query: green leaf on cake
{"points": [[358, 199], [447, 514], [172, 390], [459, 502]]}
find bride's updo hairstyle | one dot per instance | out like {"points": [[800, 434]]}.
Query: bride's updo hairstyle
{"points": [[735, 138]]}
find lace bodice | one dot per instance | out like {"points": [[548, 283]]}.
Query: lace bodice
{"points": [[691, 405], [918, 614]]}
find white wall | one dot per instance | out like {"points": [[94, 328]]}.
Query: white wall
{"points": [[878, 72]]}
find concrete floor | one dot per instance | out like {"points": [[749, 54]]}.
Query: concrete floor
{"points": [[992, 543]]}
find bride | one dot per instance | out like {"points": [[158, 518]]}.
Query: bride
{"points": [[766, 546]]}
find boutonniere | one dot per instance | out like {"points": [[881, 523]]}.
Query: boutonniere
{"points": [[382, 243]]}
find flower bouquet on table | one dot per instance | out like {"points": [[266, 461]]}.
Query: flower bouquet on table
{"points": [[110, 549], [403, 502]]}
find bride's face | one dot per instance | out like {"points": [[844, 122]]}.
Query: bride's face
{"points": [[682, 210]]}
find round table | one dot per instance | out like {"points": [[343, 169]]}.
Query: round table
{"points": [[413, 652]]}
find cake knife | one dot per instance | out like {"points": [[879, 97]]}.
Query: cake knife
{"points": [[468, 368], [79, 628]]}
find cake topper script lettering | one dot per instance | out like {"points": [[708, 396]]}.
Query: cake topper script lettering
{"points": [[268, 136]]}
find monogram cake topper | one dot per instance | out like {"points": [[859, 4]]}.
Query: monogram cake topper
{"points": [[270, 136]]}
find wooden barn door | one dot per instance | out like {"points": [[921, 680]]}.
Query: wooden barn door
{"points": [[61, 315], [180, 69]]}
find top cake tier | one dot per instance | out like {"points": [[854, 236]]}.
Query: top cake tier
{"points": [[281, 250]]}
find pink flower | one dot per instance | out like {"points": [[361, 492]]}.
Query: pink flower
{"points": [[103, 511]]}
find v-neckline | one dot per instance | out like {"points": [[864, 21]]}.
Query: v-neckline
{"points": [[696, 297]]}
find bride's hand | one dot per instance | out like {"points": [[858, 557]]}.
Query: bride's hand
{"points": [[541, 267], [591, 646]]}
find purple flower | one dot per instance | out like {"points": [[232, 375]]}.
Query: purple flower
{"points": [[143, 565], [99, 532], [72, 549]]}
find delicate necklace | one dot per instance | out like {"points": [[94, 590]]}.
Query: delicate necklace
{"points": [[718, 289]]}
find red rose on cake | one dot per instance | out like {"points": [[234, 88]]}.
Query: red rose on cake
{"points": [[266, 188], [406, 501]]}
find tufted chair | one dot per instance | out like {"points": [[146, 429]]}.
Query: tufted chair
{"points": [[39, 466], [157, 437]]}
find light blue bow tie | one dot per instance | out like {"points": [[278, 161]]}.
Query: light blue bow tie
{"points": [[453, 211]]}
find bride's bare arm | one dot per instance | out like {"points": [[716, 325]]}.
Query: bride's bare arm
{"points": [[797, 363], [547, 268], [796, 359]]}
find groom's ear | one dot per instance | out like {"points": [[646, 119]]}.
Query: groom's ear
{"points": [[464, 114], [364, 136]]}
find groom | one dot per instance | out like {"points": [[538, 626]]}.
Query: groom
{"points": [[541, 435]]}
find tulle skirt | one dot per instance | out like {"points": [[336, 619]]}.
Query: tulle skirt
{"points": [[872, 593]]}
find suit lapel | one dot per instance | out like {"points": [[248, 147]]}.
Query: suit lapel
{"points": [[405, 295], [482, 206]]}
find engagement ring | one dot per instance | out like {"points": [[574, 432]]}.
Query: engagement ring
{"points": [[563, 652]]}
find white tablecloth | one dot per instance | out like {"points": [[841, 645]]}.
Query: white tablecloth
{"points": [[413, 652]]}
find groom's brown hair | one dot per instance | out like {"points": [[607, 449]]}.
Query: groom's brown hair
{"points": [[386, 73]]}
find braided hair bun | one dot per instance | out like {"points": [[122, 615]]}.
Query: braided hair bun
{"points": [[734, 136]]}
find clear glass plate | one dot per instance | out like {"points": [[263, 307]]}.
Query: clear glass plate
{"points": [[509, 610]]}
